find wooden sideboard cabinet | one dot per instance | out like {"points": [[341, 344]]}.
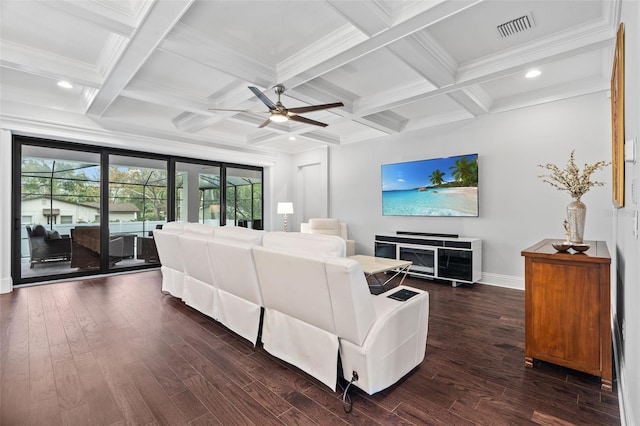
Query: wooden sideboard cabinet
{"points": [[567, 308]]}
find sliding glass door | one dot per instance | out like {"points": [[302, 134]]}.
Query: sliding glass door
{"points": [[82, 210]]}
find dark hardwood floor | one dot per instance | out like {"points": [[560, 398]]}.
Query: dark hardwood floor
{"points": [[116, 351]]}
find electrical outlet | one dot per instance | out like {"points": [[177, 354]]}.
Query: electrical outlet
{"points": [[630, 150]]}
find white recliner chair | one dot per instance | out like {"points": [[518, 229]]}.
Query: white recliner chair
{"points": [[199, 288], [168, 246], [238, 298], [329, 226], [298, 325], [317, 304], [381, 339]]}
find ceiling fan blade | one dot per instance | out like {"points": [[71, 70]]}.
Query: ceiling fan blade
{"points": [[306, 120], [262, 97], [310, 108], [265, 124]]}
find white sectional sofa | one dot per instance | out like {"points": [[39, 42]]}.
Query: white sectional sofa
{"points": [[312, 302]]}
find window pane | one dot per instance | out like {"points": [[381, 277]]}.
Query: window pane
{"points": [[137, 204], [198, 193], [244, 197], [58, 185]]}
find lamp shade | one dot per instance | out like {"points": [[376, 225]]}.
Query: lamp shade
{"points": [[285, 208]]}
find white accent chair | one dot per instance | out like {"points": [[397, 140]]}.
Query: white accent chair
{"points": [[199, 288], [168, 246], [329, 226], [238, 298]]}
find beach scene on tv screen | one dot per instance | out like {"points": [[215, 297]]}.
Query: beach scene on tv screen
{"points": [[435, 187]]}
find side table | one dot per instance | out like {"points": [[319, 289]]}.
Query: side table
{"points": [[568, 308]]}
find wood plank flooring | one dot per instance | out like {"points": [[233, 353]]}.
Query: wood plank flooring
{"points": [[116, 351]]}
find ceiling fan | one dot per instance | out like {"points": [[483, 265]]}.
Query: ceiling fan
{"points": [[279, 113]]}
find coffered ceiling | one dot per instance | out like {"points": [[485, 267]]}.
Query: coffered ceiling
{"points": [[157, 68]]}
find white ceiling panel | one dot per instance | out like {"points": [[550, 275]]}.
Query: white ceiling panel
{"points": [[44, 28], [436, 105], [379, 78], [179, 73], [252, 26], [42, 91]]}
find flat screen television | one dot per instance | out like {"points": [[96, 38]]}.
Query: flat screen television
{"points": [[434, 187]]}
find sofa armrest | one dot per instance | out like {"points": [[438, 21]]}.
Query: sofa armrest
{"points": [[395, 344], [351, 247]]}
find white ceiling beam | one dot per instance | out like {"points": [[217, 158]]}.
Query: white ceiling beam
{"points": [[160, 20], [387, 122], [396, 96], [473, 99], [427, 57], [437, 120]]}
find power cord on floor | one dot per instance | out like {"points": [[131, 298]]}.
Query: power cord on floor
{"points": [[347, 404]]}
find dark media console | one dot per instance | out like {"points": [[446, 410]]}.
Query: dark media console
{"points": [[439, 256]]}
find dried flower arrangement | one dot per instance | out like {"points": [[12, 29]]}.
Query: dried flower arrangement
{"points": [[571, 179]]}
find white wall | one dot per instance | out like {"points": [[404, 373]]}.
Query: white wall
{"points": [[311, 181], [516, 208], [627, 285], [6, 217], [279, 181]]}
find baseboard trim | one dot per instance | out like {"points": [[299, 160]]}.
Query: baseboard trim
{"points": [[623, 398], [499, 280], [6, 285]]}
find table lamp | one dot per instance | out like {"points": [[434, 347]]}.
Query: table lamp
{"points": [[285, 209]]}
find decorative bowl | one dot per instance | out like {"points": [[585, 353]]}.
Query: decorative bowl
{"points": [[561, 245], [580, 247]]}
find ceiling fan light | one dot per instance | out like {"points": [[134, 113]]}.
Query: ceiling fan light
{"points": [[278, 118]]}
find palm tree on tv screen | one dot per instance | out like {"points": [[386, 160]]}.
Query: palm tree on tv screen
{"points": [[436, 177], [465, 172]]}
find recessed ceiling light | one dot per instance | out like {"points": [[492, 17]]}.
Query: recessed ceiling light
{"points": [[292, 138], [533, 74], [65, 84]]}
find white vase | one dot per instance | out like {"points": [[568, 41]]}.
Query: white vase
{"points": [[576, 214]]}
